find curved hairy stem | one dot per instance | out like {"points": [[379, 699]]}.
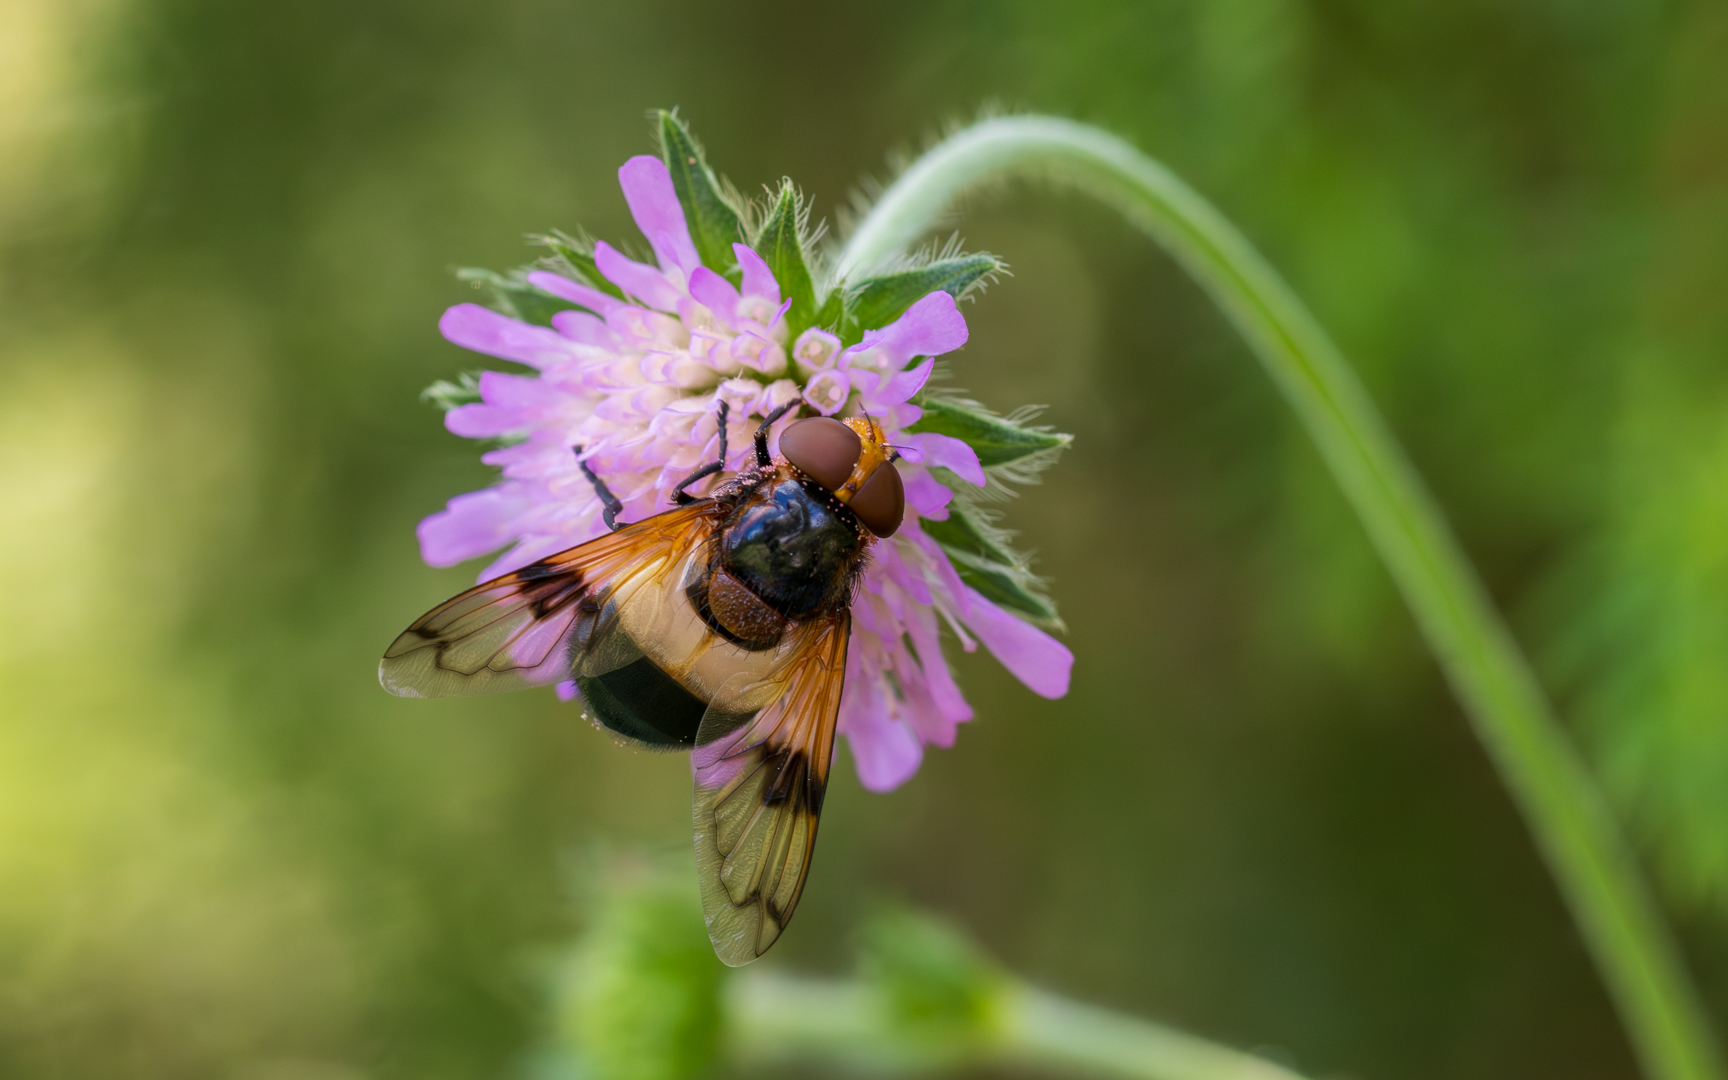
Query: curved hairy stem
{"points": [[1573, 827]]}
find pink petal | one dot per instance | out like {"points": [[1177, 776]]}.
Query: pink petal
{"points": [[950, 453], [567, 691], [485, 331], [925, 716], [479, 421], [885, 752], [714, 293], [517, 391], [926, 494], [471, 525], [758, 279], [1029, 654], [575, 292], [654, 204], [584, 328], [899, 388], [930, 327], [531, 549], [947, 578], [938, 679], [636, 279]]}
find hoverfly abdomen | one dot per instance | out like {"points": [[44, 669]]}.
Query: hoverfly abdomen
{"points": [[643, 703]]}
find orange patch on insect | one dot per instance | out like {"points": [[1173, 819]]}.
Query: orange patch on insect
{"points": [[741, 611]]}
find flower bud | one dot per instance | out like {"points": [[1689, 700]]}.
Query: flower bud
{"points": [[814, 351], [942, 995], [827, 391]]}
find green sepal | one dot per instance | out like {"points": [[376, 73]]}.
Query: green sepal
{"points": [[510, 294], [878, 301], [574, 258], [986, 564], [781, 245], [964, 531], [712, 219], [997, 440], [832, 311], [447, 395], [1004, 587]]}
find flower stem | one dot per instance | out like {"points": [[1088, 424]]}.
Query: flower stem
{"points": [[1072, 1036], [780, 1019], [1573, 826]]}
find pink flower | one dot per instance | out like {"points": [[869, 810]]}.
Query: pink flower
{"points": [[636, 383]]}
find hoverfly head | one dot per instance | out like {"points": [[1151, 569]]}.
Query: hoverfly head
{"points": [[853, 460]]}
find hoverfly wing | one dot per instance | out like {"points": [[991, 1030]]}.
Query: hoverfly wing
{"points": [[759, 788], [542, 623]]}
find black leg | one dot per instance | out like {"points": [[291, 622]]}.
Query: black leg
{"points": [[762, 457], [679, 495], [612, 507]]}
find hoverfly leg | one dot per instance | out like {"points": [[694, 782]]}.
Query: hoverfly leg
{"points": [[684, 498], [611, 507], [762, 457]]}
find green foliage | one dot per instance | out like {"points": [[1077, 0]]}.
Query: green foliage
{"points": [[573, 256], [998, 440], [640, 999], [447, 395], [833, 310], [1012, 451], [780, 242], [217, 308], [710, 212], [875, 302], [984, 560], [510, 294], [940, 991]]}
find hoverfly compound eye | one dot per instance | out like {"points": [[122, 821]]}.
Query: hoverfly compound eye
{"points": [[829, 452], [823, 448], [881, 502]]}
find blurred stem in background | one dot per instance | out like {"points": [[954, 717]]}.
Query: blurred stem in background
{"points": [[778, 1018], [1577, 833], [643, 998]]}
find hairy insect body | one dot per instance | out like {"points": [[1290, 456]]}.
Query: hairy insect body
{"points": [[783, 552], [721, 627], [793, 549]]}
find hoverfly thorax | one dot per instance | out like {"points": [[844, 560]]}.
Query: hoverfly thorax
{"points": [[795, 543]]}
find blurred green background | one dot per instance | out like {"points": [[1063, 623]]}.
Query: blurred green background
{"points": [[226, 235]]}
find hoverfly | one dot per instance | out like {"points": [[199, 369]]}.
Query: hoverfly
{"points": [[720, 627]]}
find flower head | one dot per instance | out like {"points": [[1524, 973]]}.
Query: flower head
{"points": [[630, 361]]}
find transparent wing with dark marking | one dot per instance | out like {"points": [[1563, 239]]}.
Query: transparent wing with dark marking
{"points": [[549, 620], [759, 787]]}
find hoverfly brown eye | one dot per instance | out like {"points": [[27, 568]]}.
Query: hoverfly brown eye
{"points": [[823, 448], [881, 502]]}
